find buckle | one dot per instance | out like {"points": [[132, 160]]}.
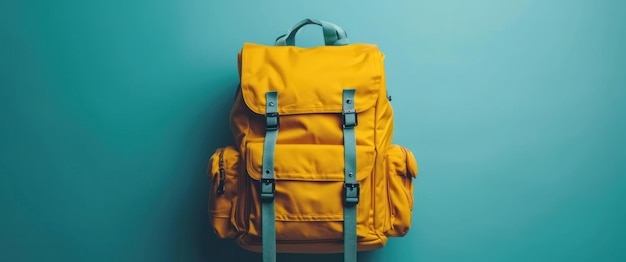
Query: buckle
{"points": [[272, 121], [268, 187], [351, 193], [348, 120]]}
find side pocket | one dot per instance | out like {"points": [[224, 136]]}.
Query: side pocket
{"points": [[401, 168], [224, 172]]}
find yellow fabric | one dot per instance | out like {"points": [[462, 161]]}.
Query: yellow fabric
{"points": [[308, 162], [309, 151], [310, 80]]}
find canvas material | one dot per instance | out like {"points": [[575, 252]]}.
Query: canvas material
{"points": [[308, 163]]}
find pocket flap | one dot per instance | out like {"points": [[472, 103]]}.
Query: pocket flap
{"points": [[309, 162], [310, 80]]}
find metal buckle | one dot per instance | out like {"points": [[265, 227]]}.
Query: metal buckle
{"points": [[345, 114], [272, 121], [351, 193], [268, 187]]}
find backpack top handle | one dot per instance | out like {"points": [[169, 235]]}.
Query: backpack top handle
{"points": [[333, 34]]}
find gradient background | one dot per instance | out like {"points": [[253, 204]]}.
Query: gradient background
{"points": [[514, 109]]}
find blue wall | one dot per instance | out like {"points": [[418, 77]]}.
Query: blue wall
{"points": [[514, 109]]}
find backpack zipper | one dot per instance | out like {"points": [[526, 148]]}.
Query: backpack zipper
{"points": [[220, 187]]}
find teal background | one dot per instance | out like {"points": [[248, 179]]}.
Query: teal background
{"points": [[514, 109]]}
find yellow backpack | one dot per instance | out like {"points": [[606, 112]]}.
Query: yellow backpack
{"points": [[313, 169]]}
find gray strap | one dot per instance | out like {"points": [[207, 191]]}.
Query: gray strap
{"points": [[351, 187], [268, 213]]}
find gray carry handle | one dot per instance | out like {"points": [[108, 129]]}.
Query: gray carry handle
{"points": [[333, 34]]}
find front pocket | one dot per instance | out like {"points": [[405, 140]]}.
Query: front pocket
{"points": [[401, 168], [309, 190], [223, 171]]}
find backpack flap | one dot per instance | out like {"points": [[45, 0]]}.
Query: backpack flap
{"points": [[310, 80]]}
